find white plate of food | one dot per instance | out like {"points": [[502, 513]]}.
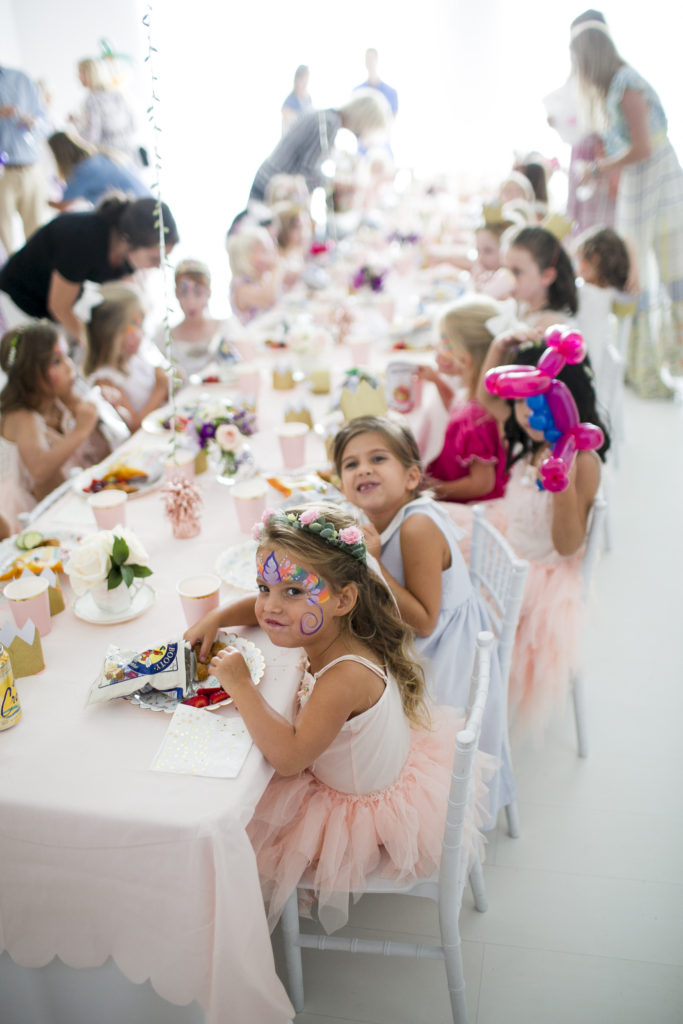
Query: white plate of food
{"points": [[136, 471], [35, 550], [205, 691]]}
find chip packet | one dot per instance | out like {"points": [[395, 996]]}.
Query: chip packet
{"points": [[169, 667]]}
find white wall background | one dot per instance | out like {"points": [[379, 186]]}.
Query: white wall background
{"points": [[470, 78]]}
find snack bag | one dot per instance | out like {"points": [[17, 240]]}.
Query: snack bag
{"points": [[169, 667]]}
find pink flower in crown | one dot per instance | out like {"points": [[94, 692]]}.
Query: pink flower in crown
{"points": [[267, 514], [350, 535], [309, 516], [257, 530]]}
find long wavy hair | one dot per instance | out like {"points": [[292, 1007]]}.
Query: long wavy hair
{"points": [[374, 619]]}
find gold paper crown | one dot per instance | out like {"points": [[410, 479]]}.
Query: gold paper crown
{"points": [[364, 401], [557, 225], [493, 215]]}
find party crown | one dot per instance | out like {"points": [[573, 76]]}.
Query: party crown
{"points": [[557, 225]]}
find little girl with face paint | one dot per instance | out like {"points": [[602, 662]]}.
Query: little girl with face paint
{"points": [[44, 427], [362, 726]]}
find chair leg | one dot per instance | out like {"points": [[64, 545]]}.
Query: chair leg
{"points": [[290, 931], [579, 697], [607, 532], [477, 885], [512, 815], [452, 952]]}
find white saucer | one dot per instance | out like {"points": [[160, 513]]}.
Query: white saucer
{"points": [[86, 609]]}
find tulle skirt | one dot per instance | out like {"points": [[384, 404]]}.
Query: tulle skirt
{"points": [[302, 823], [547, 645]]}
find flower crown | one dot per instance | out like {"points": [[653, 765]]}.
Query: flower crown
{"points": [[349, 539]]}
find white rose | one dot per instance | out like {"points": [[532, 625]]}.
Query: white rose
{"points": [[228, 437], [136, 553], [89, 563]]}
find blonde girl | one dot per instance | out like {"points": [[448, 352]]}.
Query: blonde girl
{"points": [[471, 463], [132, 384], [257, 272]]}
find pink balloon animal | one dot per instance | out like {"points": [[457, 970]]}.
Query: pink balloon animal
{"points": [[553, 409]]}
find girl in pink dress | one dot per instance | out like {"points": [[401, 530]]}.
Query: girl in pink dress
{"points": [[548, 529], [471, 463], [364, 770], [44, 427]]}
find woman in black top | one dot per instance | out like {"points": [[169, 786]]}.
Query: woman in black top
{"points": [[45, 278]]}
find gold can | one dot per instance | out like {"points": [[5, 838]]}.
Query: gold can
{"points": [[10, 708]]}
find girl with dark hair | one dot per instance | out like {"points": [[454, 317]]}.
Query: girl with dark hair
{"points": [[549, 530], [44, 426], [364, 768], [545, 288], [45, 278]]}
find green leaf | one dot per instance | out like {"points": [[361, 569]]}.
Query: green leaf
{"points": [[127, 574], [114, 578], [119, 552], [141, 570]]}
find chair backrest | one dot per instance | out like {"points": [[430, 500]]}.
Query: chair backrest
{"points": [[594, 538], [454, 870], [611, 382], [498, 575]]}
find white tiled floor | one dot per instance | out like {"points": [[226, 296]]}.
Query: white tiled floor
{"points": [[585, 919]]}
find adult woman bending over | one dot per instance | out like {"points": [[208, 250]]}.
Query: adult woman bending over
{"points": [[45, 278]]}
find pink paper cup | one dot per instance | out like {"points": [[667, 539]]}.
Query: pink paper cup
{"points": [[248, 379], [109, 508], [361, 352], [250, 501], [180, 465], [28, 598], [292, 438], [198, 595]]}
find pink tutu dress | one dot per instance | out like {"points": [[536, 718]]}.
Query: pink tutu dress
{"points": [[375, 799], [546, 651]]}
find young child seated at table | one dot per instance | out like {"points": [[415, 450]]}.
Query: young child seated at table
{"points": [[198, 338], [416, 543], [257, 272], [293, 234], [549, 530], [133, 384], [471, 464], [45, 429], [545, 288], [362, 727]]}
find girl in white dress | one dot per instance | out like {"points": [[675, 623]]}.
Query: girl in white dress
{"points": [[364, 768], [133, 385]]}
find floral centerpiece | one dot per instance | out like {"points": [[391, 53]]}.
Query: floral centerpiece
{"points": [[208, 418], [221, 429], [107, 565]]}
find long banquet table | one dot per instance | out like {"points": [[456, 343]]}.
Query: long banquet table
{"points": [[101, 857]]}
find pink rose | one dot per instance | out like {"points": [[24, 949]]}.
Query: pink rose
{"points": [[350, 535], [309, 516], [267, 514], [256, 531]]}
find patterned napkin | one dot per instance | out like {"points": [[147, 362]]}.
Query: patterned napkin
{"points": [[200, 743]]}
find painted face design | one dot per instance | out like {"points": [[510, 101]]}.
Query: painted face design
{"points": [[317, 592]]}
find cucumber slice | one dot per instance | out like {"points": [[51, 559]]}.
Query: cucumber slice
{"points": [[29, 539]]}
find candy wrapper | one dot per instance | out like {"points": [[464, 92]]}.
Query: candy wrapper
{"points": [[170, 667]]}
